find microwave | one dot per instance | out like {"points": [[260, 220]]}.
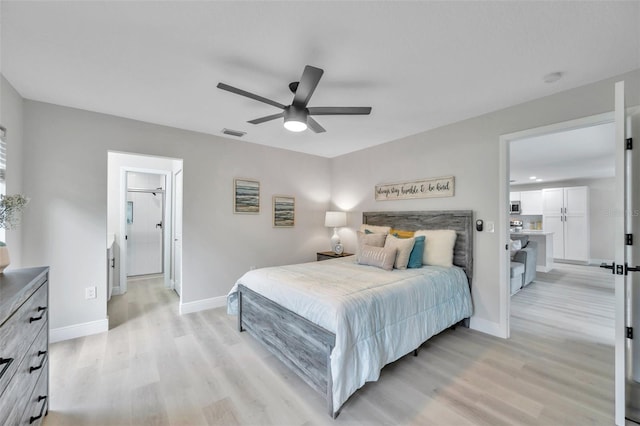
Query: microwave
{"points": [[514, 207]]}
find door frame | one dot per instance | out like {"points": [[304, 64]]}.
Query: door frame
{"points": [[176, 277], [167, 219], [503, 200]]}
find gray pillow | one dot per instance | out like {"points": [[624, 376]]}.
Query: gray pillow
{"points": [[375, 240], [381, 257]]}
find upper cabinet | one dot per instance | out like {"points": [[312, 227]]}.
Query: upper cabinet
{"points": [[566, 214], [531, 202]]}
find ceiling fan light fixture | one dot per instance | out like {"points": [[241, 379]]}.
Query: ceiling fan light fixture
{"points": [[295, 119]]}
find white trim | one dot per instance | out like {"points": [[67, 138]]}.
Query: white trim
{"points": [[78, 330], [598, 262], [540, 268], [620, 252], [116, 291], [488, 327], [203, 304]]}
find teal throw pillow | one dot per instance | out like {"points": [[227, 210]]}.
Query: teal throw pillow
{"points": [[415, 258]]}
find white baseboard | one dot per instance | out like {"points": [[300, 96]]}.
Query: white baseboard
{"points": [[488, 327], [116, 291], [202, 305], [599, 262], [78, 330]]}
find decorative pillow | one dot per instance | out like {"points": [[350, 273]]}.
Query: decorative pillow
{"points": [[524, 239], [515, 246], [401, 234], [415, 259], [403, 247], [375, 229], [438, 246], [381, 257], [375, 240]]}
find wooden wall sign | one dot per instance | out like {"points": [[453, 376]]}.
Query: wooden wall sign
{"points": [[425, 188]]}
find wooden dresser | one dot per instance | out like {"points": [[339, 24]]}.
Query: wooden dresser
{"points": [[24, 347]]}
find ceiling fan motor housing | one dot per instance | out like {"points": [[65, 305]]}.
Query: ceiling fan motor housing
{"points": [[296, 114]]}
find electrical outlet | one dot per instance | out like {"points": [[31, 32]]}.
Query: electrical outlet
{"points": [[90, 293], [252, 267], [490, 226]]}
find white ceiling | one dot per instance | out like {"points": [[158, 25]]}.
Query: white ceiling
{"points": [[574, 154], [420, 65]]}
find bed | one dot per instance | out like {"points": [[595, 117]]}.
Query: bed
{"points": [[336, 323]]}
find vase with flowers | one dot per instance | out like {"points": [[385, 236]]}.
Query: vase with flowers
{"points": [[10, 208]]}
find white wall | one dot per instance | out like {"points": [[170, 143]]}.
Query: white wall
{"points": [[66, 225], [11, 117], [601, 221], [469, 150]]}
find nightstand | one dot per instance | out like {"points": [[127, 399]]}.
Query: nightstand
{"points": [[325, 255]]}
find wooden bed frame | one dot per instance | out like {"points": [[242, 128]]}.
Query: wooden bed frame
{"points": [[306, 347]]}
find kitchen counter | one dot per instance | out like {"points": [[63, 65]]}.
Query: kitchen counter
{"points": [[544, 239], [533, 232]]}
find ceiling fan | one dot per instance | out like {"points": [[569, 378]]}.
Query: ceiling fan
{"points": [[297, 116]]}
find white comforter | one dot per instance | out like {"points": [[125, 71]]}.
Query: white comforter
{"points": [[377, 316]]}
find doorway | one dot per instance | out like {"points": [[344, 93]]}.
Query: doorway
{"points": [[536, 220], [622, 213], [142, 216], [145, 212]]}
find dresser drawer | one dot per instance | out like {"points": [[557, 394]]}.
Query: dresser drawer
{"points": [[38, 403], [18, 333], [14, 400]]}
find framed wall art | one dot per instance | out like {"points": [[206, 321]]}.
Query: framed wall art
{"points": [[246, 196], [284, 211]]}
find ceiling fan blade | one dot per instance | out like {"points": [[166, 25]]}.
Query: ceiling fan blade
{"points": [[313, 125], [267, 118], [339, 110], [308, 83], [249, 95]]}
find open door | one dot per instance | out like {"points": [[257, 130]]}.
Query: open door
{"points": [[177, 234], [625, 268]]}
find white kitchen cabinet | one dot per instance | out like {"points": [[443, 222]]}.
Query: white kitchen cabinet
{"points": [[566, 213], [531, 202]]}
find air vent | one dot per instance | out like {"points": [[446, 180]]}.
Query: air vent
{"points": [[236, 133]]}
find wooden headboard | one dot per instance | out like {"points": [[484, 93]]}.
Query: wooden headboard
{"points": [[460, 221]]}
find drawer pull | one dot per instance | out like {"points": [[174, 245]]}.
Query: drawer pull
{"points": [[40, 398], [40, 308], [6, 362], [40, 353]]}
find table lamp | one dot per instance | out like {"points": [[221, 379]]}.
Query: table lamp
{"points": [[335, 220]]}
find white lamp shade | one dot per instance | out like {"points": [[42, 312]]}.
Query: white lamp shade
{"points": [[335, 219]]}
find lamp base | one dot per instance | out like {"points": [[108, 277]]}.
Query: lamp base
{"points": [[335, 240]]}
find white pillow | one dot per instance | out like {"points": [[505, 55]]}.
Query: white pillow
{"points": [[375, 229], [374, 240], [438, 246], [515, 246], [381, 257], [403, 246]]}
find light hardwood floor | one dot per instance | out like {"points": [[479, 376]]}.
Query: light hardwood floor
{"points": [[159, 368]]}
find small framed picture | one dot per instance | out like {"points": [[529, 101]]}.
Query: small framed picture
{"points": [[284, 211], [246, 196]]}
